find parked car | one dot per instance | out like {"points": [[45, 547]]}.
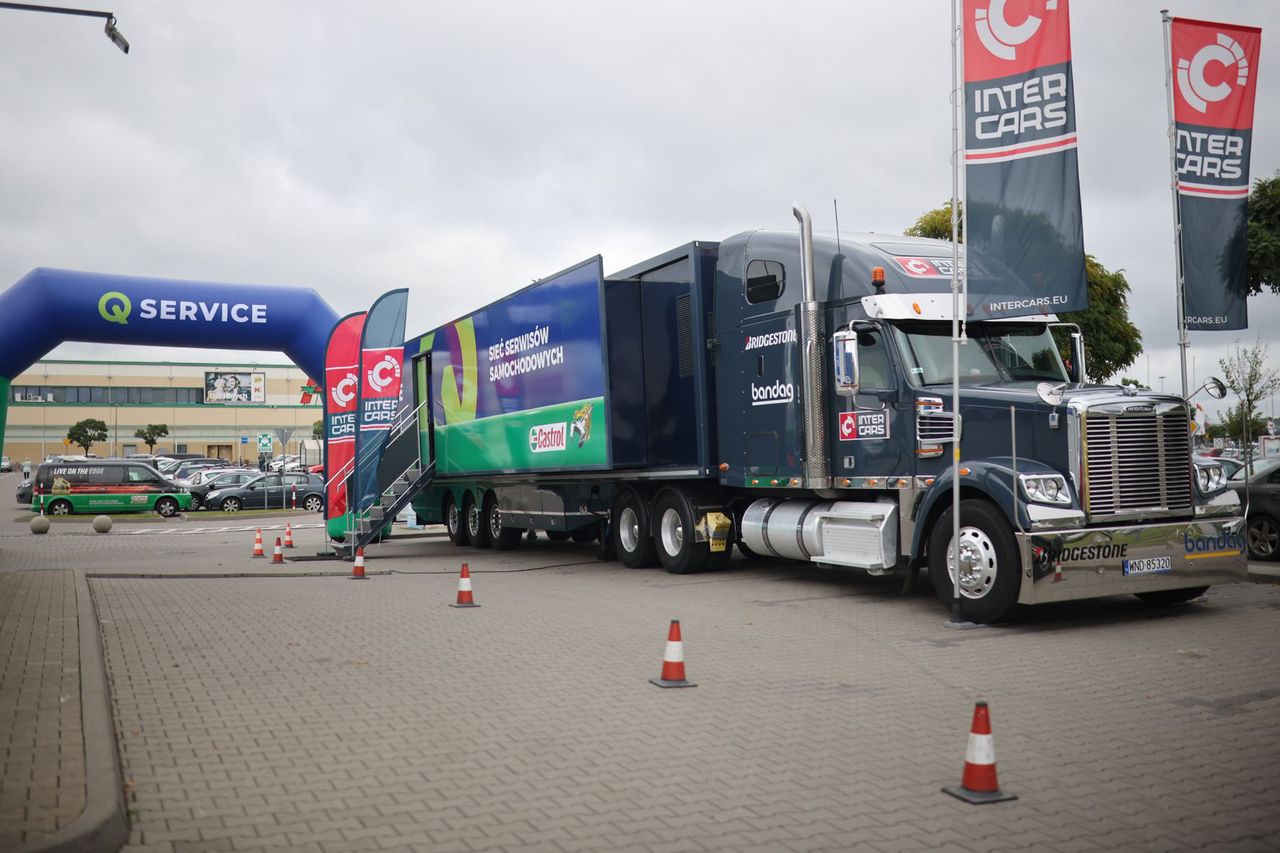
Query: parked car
{"points": [[24, 493], [179, 456], [208, 479], [182, 473], [316, 469], [1262, 489], [103, 485], [5, 464], [282, 462], [270, 491]]}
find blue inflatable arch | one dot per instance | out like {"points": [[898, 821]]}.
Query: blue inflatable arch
{"points": [[47, 307]]}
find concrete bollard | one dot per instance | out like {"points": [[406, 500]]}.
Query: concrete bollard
{"points": [[102, 524], [39, 525]]}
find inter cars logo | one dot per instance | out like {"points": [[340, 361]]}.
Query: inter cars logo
{"points": [[1000, 37], [344, 392], [384, 373], [1197, 91]]}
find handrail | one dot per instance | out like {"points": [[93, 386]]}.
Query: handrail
{"points": [[401, 424]]}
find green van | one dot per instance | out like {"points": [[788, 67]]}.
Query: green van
{"points": [[105, 486]]}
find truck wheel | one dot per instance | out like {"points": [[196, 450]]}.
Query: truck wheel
{"points": [[477, 530], [453, 523], [989, 571], [1169, 597], [673, 535], [629, 529], [503, 538], [558, 535]]}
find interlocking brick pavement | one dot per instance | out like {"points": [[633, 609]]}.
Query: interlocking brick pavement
{"points": [[322, 714], [42, 782]]}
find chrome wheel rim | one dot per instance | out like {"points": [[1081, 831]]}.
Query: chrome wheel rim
{"points": [[230, 506], [495, 522], [1263, 538], [671, 529], [59, 509], [473, 520], [629, 530], [978, 566], [453, 519]]}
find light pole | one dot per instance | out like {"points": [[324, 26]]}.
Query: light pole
{"points": [[110, 29], [1161, 378]]}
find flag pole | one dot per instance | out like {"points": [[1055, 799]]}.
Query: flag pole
{"points": [[957, 155], [1183, 343]]}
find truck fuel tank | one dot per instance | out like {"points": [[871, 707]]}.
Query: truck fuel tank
{"points": [[861, 534]]}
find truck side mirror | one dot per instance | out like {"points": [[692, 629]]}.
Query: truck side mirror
{"points": [[844, 346], [1078, 374]]}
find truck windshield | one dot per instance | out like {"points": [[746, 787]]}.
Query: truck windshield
{"points": [[996, 352]]}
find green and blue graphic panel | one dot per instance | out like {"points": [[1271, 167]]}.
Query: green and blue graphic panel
{"points": [[520, 385]]}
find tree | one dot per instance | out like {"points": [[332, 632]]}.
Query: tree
{"points": [[1245, 372], [317, 430], [150, 434], [86, 432], [1264, 235], [1112, 342], [1230, 425]]}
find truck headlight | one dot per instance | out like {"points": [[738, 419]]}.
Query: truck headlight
{"points": [[1046, 488], [1210, 478]]}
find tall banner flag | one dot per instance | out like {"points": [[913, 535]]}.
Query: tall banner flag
{"points": [[341, 388], [1214, 69], [381, 369], [1022, 184]]}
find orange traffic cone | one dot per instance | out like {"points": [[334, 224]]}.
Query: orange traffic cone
{"points": [[277, 556], [978, 783], [357, 570], [464, 589], [257, 544], [673, 661], [288, 536]]}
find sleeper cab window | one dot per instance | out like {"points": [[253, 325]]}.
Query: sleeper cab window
{"points": [[765, 281]]}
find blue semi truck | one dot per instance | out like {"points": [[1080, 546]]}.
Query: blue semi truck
{"points": [[787, 394]]}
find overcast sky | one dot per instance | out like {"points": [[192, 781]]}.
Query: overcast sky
{"points": [[465, 150]]}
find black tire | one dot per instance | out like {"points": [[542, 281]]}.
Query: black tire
{"points": [[1169, 597], [558, 535], [583, 535], [453, 523], [1264, 537], [60, 507], [989, 593], [629, 529], [230, 505], [502, 538], [313, 503], [195, 503], [673, 537], [167, 507], [477, 530]]}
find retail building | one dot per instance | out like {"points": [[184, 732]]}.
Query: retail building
{"points": [[224, 409]]}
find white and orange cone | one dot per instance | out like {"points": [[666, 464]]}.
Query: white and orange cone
{"points": [[257, 544], [288, 536], [978, 784], [277, 556], [357, 569], [465, 598], [673, 661]]}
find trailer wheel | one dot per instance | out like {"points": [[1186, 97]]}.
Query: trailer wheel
{"points": [[477, 530], [453, 522], [989, 571], [629, 529], [673, 534], [503, 538]]}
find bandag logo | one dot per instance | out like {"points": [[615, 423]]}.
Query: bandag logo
{"points": [[115, 307]]}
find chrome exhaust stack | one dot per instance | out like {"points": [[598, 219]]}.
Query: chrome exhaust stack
{"points": [[817, 466]]}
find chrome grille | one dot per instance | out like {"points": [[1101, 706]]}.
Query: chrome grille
{"points": [[1137, 463]]}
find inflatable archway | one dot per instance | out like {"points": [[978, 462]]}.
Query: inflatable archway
{"points": [[47, 307]]}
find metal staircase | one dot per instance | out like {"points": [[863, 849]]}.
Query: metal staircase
{"points": [[401, 449]]}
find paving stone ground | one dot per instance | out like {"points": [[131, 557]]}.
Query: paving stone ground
{"points": [[41, 741], [325, 714], [319, 713]]}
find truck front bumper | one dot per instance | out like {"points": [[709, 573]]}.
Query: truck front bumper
{"points": [[1068, 565]]}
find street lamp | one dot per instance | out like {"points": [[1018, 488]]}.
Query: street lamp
{"points": [[110, 29], [1161, 378]]}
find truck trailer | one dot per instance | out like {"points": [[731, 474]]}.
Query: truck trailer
{"points": [[787, 394]]}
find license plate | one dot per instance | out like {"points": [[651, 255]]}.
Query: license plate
{"points": [[1148, 566]]}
